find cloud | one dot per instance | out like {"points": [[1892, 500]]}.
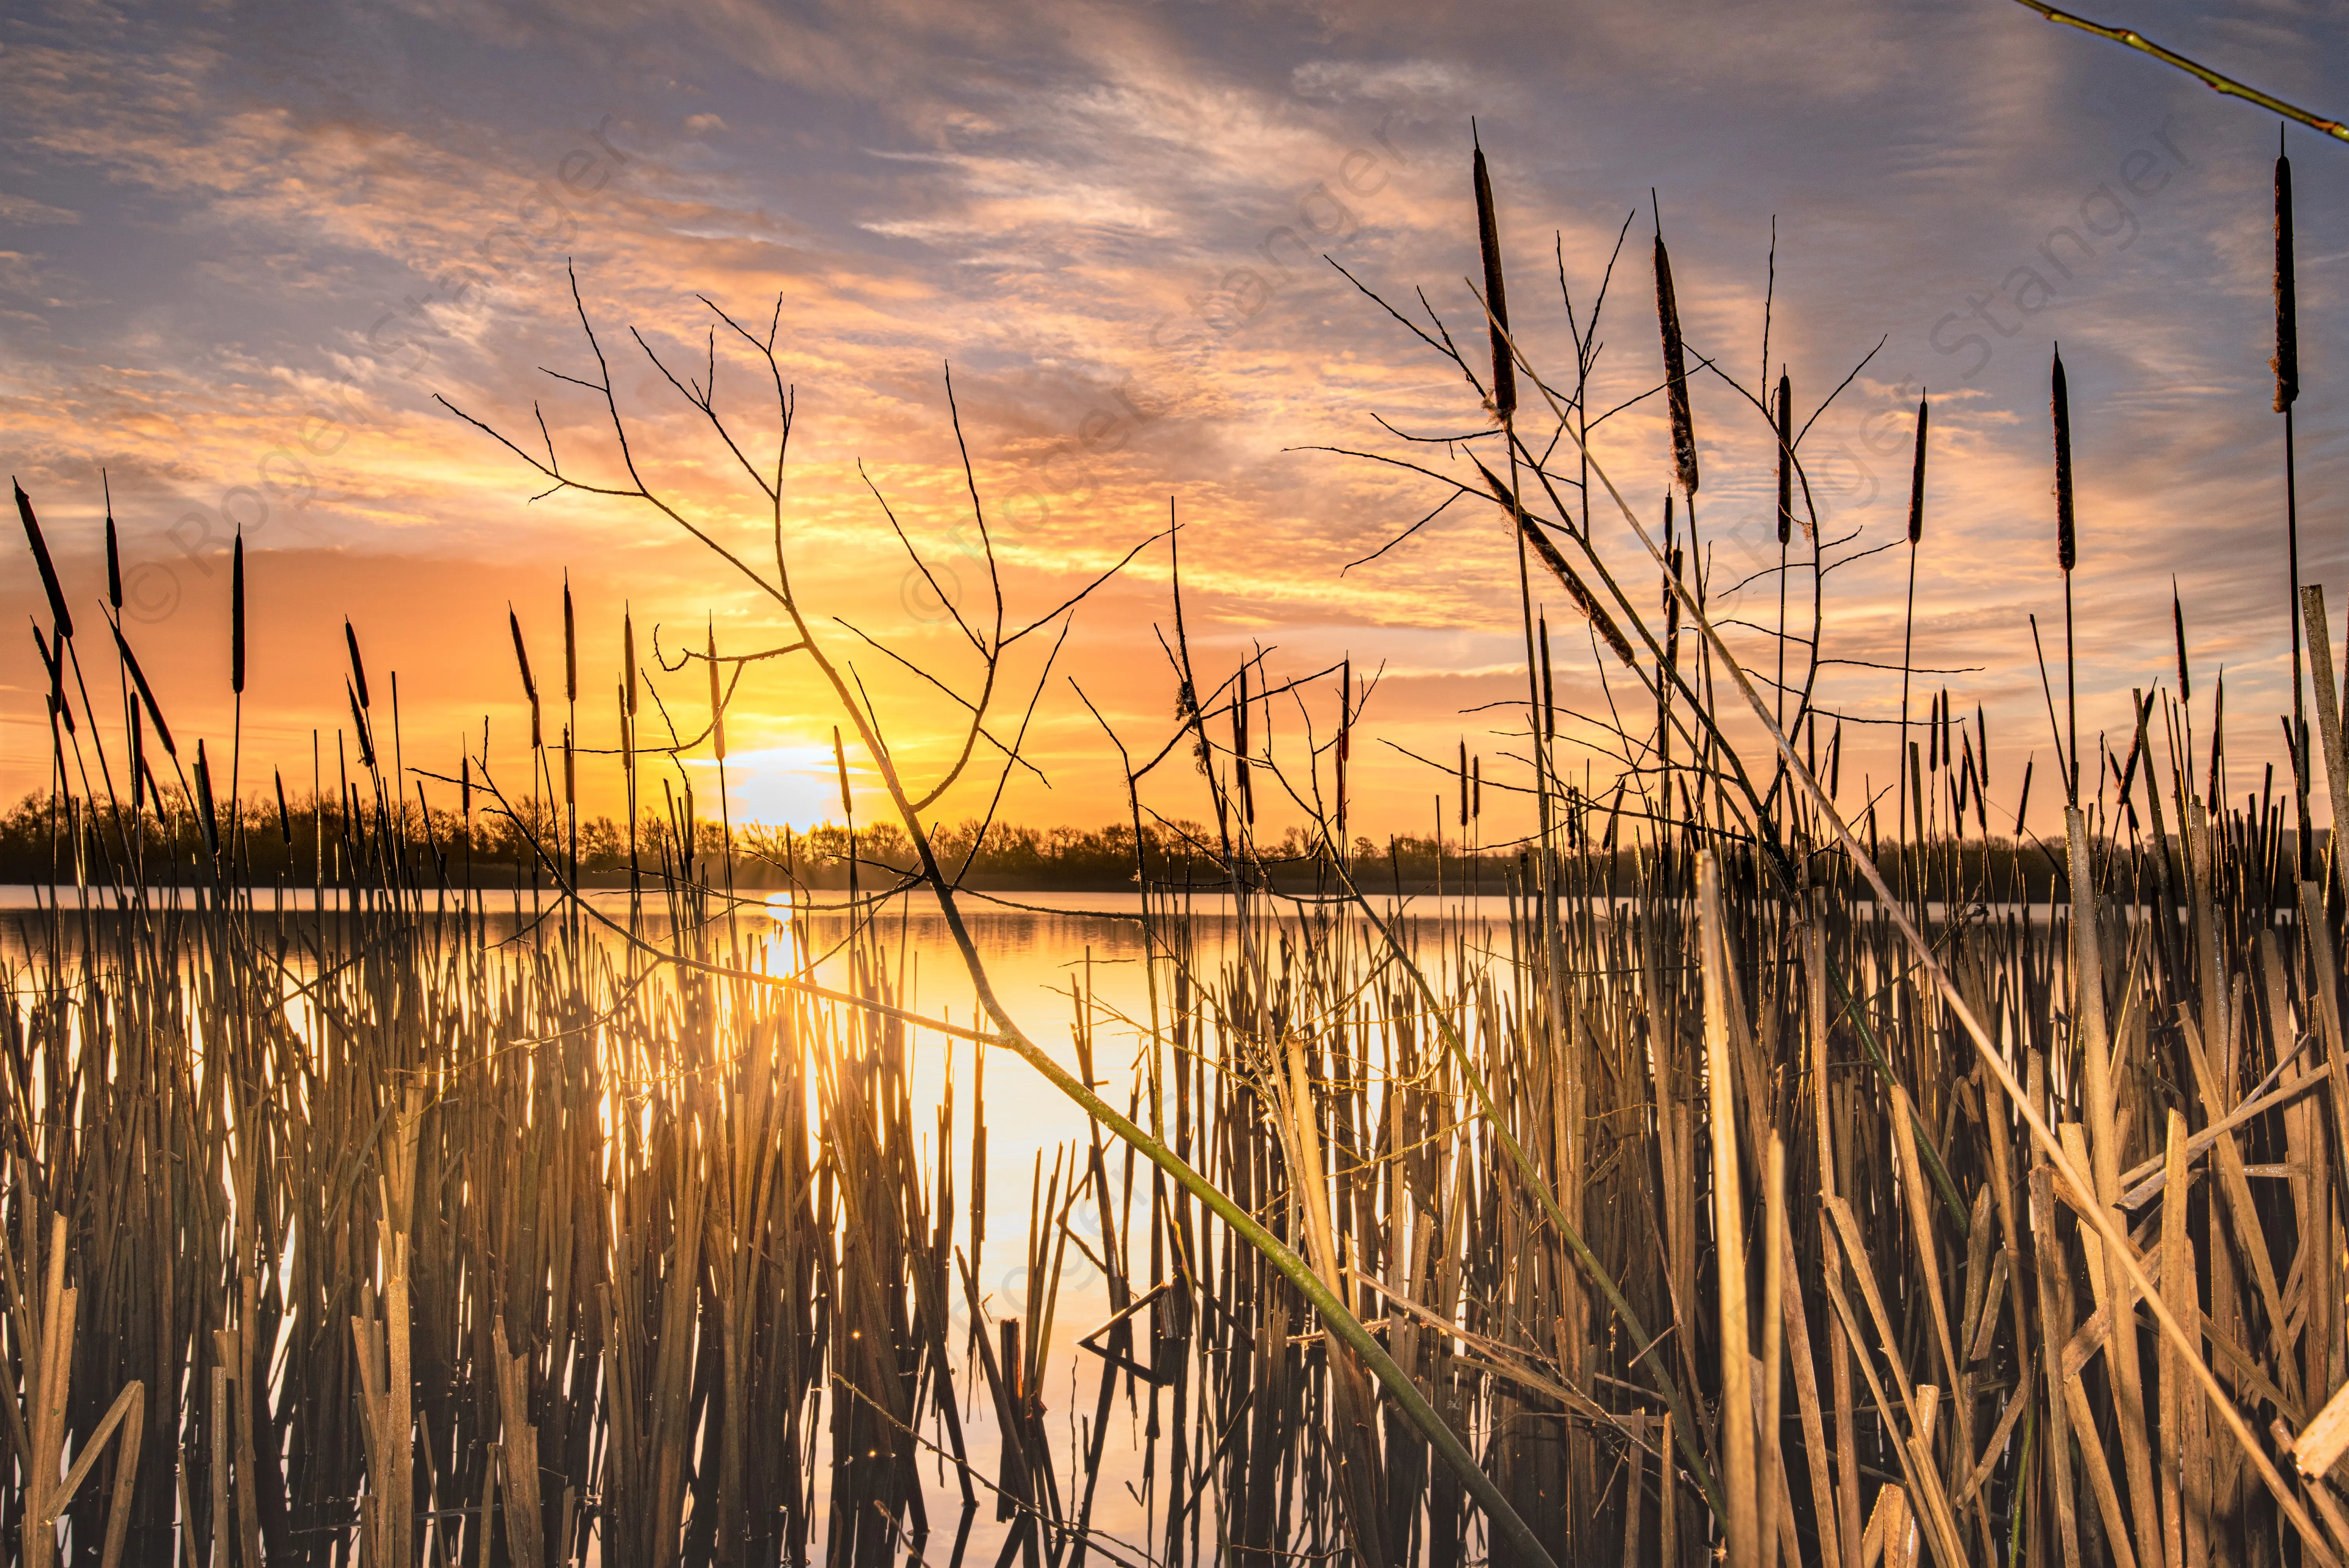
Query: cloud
{"points": [[240, 255]]}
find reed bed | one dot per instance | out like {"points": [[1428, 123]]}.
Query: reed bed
{"points": [[1762, 1186]]}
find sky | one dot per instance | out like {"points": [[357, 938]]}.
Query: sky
{"points": [[261, 265]]}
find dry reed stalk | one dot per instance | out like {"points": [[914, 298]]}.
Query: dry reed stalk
{"points": [[1741, 1479], [1772, 1458], [519, 1455], [2328, 715]]}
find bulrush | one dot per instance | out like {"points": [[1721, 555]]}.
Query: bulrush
{"points": [[236, 617], [59, 617], [2177, 624], [1917, 475], [529, 686], [628, 656], [1496, 300], [717, 700], [1785, 458], [358, 665], [1668, 317], [113, 548], [2286, 363], [2067, 549], [205, 818], [2067, 556], [2286, 366]]}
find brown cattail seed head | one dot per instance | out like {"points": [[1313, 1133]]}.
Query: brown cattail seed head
{"points": [[113, 548], [358, 668], [627, 736], [237, 619], [1917, 477], [2177, 622], [59, 617], [2067, 550], [1488, 240], [1668, 317], [628, 656], [1785, 458], [204, 800], [717, 701], [2286, 363], [529, 686]]}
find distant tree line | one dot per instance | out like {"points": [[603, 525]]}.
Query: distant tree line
{"points": [[321, 840]]}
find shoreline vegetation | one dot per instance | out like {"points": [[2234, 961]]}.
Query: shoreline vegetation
{"points": [[1745, 1205], [312, 845]]}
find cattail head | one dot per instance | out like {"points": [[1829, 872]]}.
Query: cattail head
{"points": [[1549, 687], [1785, 458], [59, 617], [627, 733], [2177, 622], [628, 656], [358, 665], [113, 549], [1676, 395], [1488, 242], [717, 700], [521, 661], [1464, 784], [237, 619], [2067, 550], [570, 646], [204, 801], [840, 762], [2286, 363], [1917, 475]]}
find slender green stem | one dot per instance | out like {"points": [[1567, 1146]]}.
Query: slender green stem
{"points": [[2217, 82]]}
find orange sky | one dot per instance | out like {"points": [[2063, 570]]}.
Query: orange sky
{"points": [[242, 254]]}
